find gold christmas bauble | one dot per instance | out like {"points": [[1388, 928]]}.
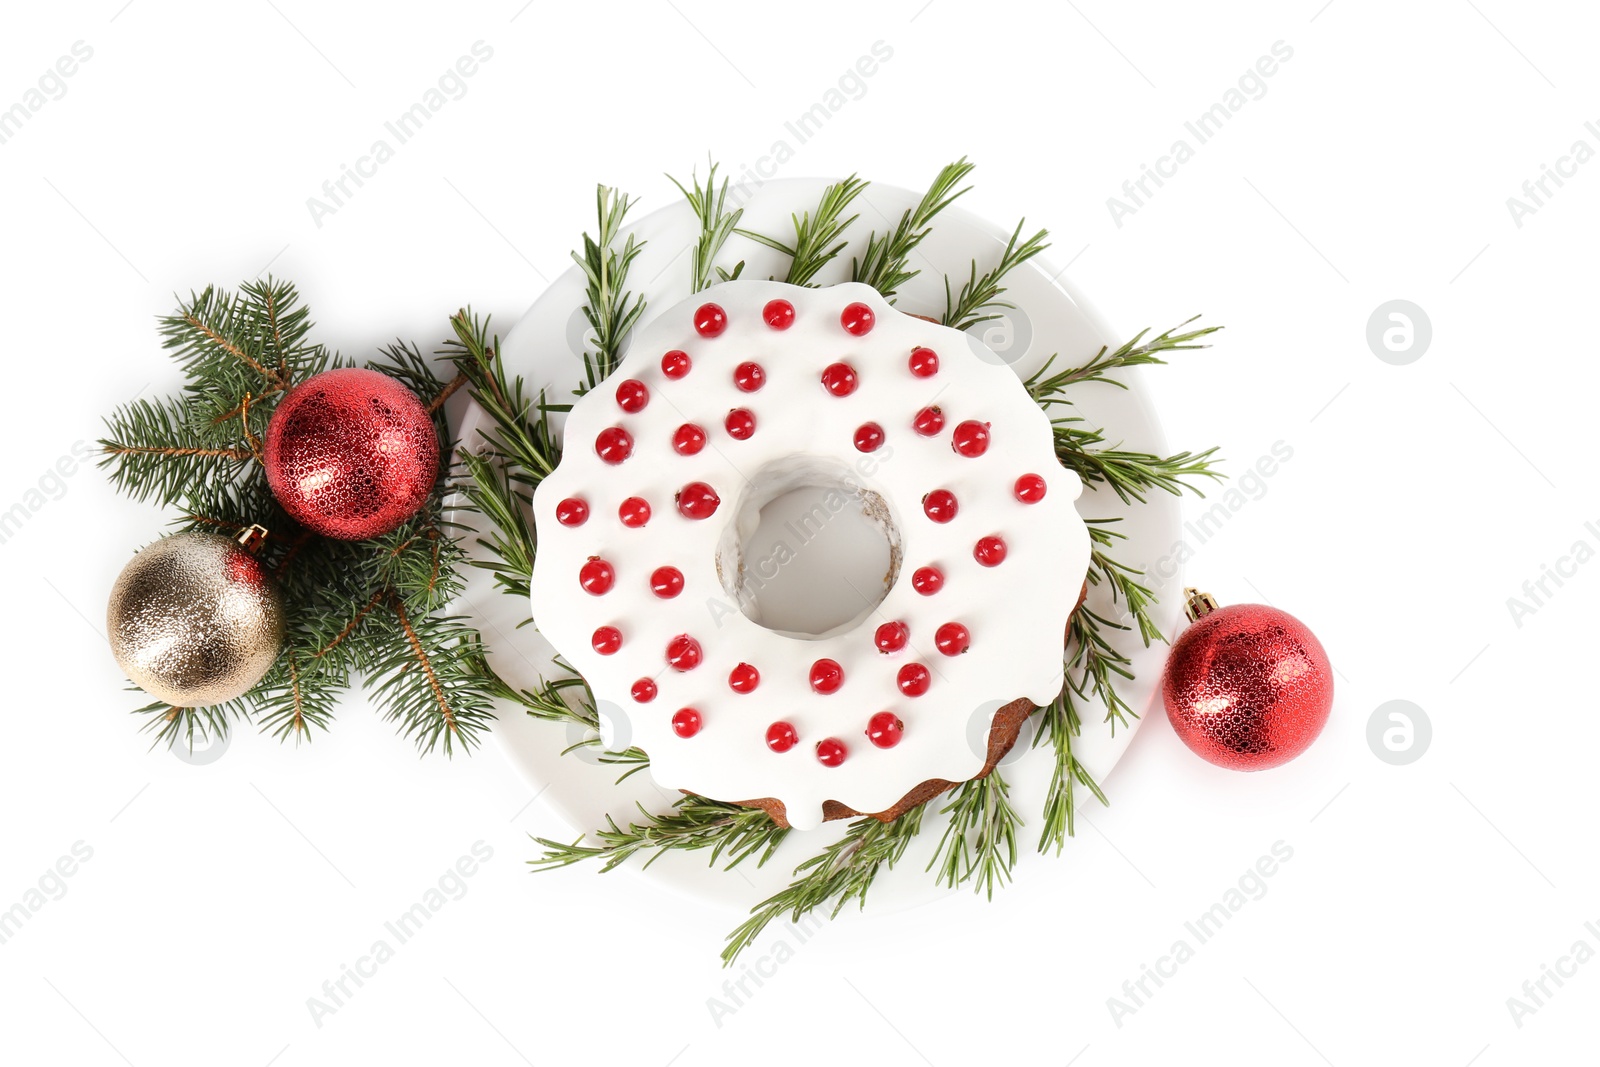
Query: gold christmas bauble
{"points": [[195, 619]]}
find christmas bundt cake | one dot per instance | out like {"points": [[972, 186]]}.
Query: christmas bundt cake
{"points": [[746, 392]]}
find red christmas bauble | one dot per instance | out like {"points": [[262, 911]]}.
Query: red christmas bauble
{"points": [[1247, 686], [351, 454]]}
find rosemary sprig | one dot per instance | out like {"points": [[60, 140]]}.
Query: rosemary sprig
{"points": [[490, 490], [694, 824], [883, 264], [611, 310], [716, 224], [1059, 723], [816, 236], [1123, 580], [1130, 474], [1094, 664], [840, 873], [1047, 389], [549, 702], [981, 292], [521, 434], [980, 841]]}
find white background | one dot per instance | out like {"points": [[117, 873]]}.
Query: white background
{"points": [[1419, 499]]}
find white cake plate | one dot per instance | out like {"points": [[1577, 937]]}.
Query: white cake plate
{"points": [[545, 347]]}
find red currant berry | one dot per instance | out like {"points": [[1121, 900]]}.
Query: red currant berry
{"points": [[686, 722], [857, 319], [741, 424], [697, 500], [831, 752], [989, 551], [1029, 489], [779, 314], [914, 679], [676, 364], [749, 376], [597, 576], [782, 736], [869, 437], [924, 362], [632, 396], [688, 439], [952, 639], [929, 421], [572, 512], [666, 582], [885, 729], [613, 445], [644, 690], [971, 439], [744, 678], [940, 505], [826, 676], [607, 640], [634, 512], [891, 637], [684, 653], [927, 580], [710, 320], [839, 379]]}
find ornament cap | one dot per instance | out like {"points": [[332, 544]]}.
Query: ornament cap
{"points": [[1197, 604], [252, 537]]}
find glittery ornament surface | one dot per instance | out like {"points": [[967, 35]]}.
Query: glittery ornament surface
{"points": [[195, 620], [1248, 687], [351, 454]]}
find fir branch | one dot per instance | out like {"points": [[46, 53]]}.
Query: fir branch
{"points": [[816, 236], [980, 842], [709, 204], [283, 325], [981, 292], [240, 353], [431, 681], [694, 824], [418, 563], [883, 264], [159, 448], [205, 331], [298, 694], [169, 724], [404, 362], [840, 873], [250, 342], [241, 410], [1047, 389], [611, 310], [437, 403], [334, 643]]}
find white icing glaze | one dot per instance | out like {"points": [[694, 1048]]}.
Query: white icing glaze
{"points": [[1016, 612]]}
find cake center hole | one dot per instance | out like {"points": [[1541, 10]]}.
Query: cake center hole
{"points": [[810, 553]]}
